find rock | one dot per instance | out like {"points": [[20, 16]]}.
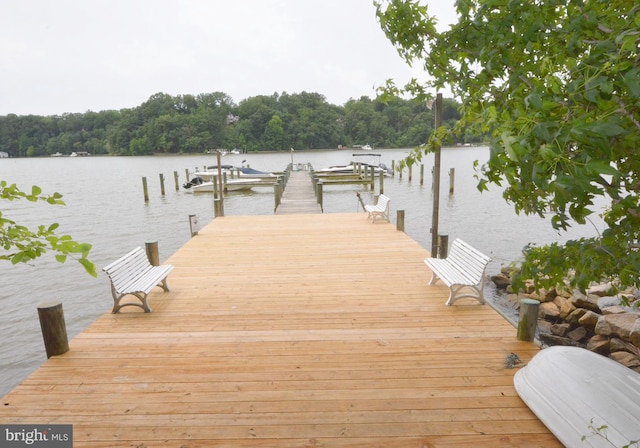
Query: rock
{"points": [[575, 316], [617, 345], [529, 287], [620, 325], [578, 334], [501, 280], [618, 303], [626, 359], [550, 339], [544, 326], [549, 311], [560, 329], [599, 344], [589, 302], [601, 290], [589, 319], [613, 310], [548, 295], [564, 305], [634, 336]]}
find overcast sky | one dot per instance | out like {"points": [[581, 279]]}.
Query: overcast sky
{"points": [[60, 56]]}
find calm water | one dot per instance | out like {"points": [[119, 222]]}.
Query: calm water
{"points": [[105, 207]]}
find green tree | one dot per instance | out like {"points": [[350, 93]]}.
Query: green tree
{"points": [[556, 87], [21, 245], [273, 134]]}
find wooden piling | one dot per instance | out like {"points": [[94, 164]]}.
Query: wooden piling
{"points": [[400, 220], [145, 190], [194, 226], [175, 178], [152, 252], [443, 246], [452, 175], [410, 168], [162, 184], [528, 320], [320, 194], [54, 330], [381, 181], [422, 174]]}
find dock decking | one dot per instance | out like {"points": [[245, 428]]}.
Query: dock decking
{"points": [[298, 196], [289, 331]]}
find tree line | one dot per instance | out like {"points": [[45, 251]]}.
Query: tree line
{"points": [[198, 123]]}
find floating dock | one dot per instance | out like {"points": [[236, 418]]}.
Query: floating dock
{"points": [[289, 330]]}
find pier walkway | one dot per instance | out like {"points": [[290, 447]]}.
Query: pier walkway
{"points": [[298, 196], [289, 331]]}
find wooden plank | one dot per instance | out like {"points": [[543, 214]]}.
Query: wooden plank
{"points": [[311, 331]]}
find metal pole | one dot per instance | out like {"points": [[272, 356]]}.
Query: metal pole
{"points": [[436, 182]]}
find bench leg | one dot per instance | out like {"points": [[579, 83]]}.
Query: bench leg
{"points": [[455, 289], [434, 278], [143, 298], [163, 284]]}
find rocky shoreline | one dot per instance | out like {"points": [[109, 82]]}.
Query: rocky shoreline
{"points": [[602, 320]]}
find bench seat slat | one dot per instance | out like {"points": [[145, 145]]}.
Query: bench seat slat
{"points": [[132, 274], [463, 269]]}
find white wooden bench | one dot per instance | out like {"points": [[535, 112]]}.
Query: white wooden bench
{"points": [[462, 269], [380, 210], [132, 274]]}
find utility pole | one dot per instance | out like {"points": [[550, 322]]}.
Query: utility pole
{"points": [[436, 182]]}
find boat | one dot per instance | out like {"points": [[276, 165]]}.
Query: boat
{"points": [[368, 147], [236, 179], [583, 398]]}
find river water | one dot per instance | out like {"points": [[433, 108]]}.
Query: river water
{"points": [[105, 207]]}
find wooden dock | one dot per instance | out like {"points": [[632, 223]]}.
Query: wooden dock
{"points": [[289, 331], [298, 196]]}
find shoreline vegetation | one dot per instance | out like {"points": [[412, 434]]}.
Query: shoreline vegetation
{"points": [[199, 123]]}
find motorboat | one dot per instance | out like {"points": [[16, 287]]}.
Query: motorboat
{"points": [[236, 178]]}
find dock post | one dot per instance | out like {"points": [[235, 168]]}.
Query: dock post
{"points": [[528, 320], [186, 174], [443, 246], [381, 183], [372, 176], [393, 167], [452, 175], [162, 184], [400, 220], [145, 190], [410, 168], [422, 174], [152, 252], [319, 193], [194, 225], [54, 330], [277, 193], [175, 178]]}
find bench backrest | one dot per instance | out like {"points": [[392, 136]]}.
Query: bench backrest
{"points": [[383, 202], [128, 267], [468, 259]]}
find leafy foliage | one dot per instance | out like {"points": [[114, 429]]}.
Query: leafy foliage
{"points": [[196, 123], [556, 85], [22, 245]]}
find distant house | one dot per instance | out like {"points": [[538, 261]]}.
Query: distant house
{"points": [[3, 154]]}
